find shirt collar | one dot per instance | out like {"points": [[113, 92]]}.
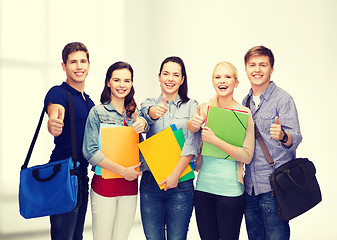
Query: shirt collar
{"points": [[110, 107], [266, 94], [73, 90]]}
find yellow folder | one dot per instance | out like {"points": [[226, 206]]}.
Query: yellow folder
{"points": [[119, 144], [162, 154]]}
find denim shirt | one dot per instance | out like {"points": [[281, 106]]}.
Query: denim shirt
{"points": [[102, 114], [175, 115], [274, 102]]}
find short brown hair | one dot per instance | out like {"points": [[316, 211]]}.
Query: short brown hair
{"points": [[260, 51], [73, 47]]}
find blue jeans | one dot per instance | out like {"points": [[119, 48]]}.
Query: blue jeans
{"points": [[69, 226], [171, 209], [261, 218]]}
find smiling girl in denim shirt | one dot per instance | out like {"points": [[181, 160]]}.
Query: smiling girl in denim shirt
{"points": [[113, 201], [170, 208]]}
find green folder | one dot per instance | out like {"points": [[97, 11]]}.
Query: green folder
{"points": [[179, 134], [227, 124]]}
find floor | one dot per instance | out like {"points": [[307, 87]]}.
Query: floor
{"points": [[135, 234]]}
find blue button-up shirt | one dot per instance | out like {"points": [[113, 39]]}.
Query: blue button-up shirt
{"points": [[178, 115], [274, 102]]}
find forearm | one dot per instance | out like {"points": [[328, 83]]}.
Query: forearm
{"points": [[226, 147], [181, 166], [111, 166]]}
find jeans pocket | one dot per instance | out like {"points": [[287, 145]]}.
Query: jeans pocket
{"points": [[186, 186]]}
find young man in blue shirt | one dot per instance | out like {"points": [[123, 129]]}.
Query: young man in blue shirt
{"points": [[275, 115], [69, 226]]}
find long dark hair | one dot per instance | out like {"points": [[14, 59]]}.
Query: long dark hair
{"points": [[129, 102], [183, 90]]}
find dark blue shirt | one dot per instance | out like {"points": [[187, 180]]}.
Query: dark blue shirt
{"points": [[63, 149]]}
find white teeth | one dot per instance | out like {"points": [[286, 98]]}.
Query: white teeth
{"points": [[223, 87]]}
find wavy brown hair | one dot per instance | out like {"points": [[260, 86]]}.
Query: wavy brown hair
{"points": [[129, 102]]}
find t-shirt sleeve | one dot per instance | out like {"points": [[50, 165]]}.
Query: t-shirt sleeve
{"points": [[56, 95]]}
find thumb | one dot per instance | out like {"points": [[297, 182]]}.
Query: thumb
{"points": [[277, 120], [137, 165], [198, 110], [135, 116], [59, 113]]}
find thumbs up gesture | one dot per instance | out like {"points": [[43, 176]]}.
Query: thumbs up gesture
{"points": [[138, 123], [276, 130], [55, 122], [197, 120], [162, 108], [159, 110]]}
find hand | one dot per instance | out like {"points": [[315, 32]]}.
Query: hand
{"points": [[161, 109], [276, 130], [55, 125], [207, 135], [130, 173], [197, 119], [138, 124], [170, 182]]}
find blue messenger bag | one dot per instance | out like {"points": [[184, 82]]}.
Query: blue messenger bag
{"points": [[51, 188]]}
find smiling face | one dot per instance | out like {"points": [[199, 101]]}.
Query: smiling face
{"points": [[120, 83], [259, 70], [224, 80], [170, 79], [76, 68]]}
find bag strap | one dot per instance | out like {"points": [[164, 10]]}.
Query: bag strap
{"points": [[260, 140], [73, 134], [72, 129]]}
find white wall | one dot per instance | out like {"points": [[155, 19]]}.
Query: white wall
{"points": [[302, 35]]}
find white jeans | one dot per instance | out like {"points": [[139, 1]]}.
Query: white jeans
{"points": [[112, 217]]}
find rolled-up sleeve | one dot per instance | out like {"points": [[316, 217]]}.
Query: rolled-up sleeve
{"points": [[288, 117], [192, 140], [90, 149], [145, 106]]}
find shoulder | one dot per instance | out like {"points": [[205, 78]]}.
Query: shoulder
{"points": [[56, 90], [149, 101], [282, 96], [192, 102], [56, 95]]}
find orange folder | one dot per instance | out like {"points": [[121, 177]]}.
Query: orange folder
{"points": [[119, 144], [162, 154]]}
